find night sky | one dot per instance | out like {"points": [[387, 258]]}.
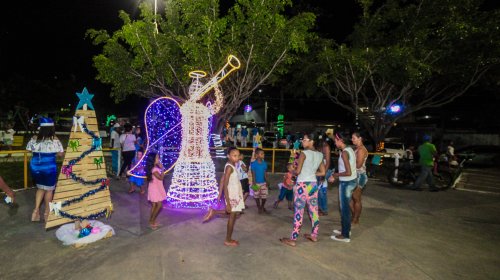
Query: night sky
{"points": [[45, 40]]}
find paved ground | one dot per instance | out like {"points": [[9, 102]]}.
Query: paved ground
{"points": [[483, 180], [403, 235]]}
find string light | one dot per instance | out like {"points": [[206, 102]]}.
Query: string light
{"points": [[193, 183], [170, 127], [163, 131], [219, 151]]}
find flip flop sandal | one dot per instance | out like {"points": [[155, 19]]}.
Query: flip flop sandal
{"points": [[310, 238], [153, 227], [231, 243], [288, 242]]}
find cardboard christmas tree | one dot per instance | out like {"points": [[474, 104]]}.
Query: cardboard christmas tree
{"points": [[82, 190]]}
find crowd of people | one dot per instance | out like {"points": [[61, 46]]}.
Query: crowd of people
{"points": [[304, 184], [128, 143], [240, 136]]}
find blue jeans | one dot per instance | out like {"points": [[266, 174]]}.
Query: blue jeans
{"points": [[322, 193], [425, 174], [345, 193]]}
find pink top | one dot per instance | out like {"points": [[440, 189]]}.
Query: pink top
{"points": [[156, 191]]}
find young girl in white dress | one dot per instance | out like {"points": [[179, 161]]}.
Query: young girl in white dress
{"points": [[233, 194]]}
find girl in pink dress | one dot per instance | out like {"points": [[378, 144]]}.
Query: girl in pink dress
{"points": [[156, 191]]}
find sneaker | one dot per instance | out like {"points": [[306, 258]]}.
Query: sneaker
{"points": [[346, 240], [338, 232]]}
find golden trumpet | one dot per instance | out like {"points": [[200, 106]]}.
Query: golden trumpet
{"points": [[233, 63]]}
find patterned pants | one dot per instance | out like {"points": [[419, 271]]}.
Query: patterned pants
{"points": [[305, 193]]}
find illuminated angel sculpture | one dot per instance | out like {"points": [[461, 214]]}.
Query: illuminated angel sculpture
{"points": [[193, 182]]}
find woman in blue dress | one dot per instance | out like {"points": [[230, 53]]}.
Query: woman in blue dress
{"points": [[45, 147]]}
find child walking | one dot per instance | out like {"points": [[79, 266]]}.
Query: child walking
{"points": [[259, 176], [136, 182], [233, 195], [156, 191], [286, 187]]}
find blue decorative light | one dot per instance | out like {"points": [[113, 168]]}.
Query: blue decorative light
{"points": [[163, 131], [248, 108], [395, 108]]}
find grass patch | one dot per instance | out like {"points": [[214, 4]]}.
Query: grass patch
{"points": [[13, 174]]}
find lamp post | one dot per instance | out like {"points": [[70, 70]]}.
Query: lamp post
{"points": [[155, 23], [265, 112]]}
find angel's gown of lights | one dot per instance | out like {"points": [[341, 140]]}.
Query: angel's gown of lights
{"points": [[193, 183]]}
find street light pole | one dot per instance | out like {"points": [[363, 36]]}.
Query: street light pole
{"points": [[265, 115], [156, 23]]}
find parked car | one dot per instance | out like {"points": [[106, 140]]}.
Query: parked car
{"points": [[392, 148], [480, 155]]}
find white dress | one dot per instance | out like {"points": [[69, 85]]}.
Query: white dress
{"points": [[234, 190]]}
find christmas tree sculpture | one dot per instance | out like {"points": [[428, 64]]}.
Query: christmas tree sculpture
{"points": [[82, 189]]}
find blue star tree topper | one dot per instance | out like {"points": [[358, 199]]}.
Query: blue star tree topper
{"points": [[85, 98]]}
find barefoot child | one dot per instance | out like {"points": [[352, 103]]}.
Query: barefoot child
{"points": [[233, 195], [259, 175], [156, 191], [136, 182], [286, 187]]}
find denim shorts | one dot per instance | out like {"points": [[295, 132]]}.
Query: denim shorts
{"points": [[362, 180]]}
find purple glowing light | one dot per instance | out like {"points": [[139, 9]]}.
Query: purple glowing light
{"points": [[248, 108], [164, 134]]}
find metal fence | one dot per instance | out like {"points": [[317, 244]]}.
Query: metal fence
{"points": [[279, 158]]}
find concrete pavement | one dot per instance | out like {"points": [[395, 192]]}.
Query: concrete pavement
{"points": [[403, 235], [482, 180]]}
